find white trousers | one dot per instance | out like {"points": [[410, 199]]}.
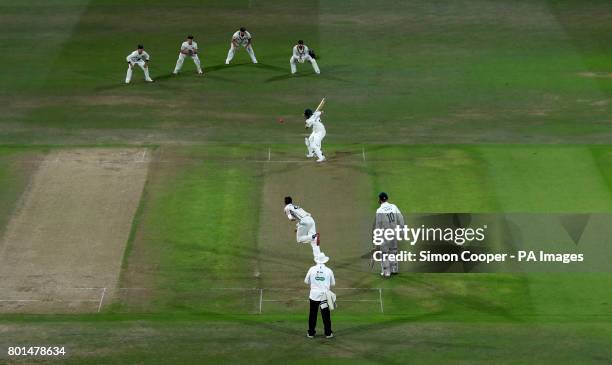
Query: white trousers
{"points": [[130, 70], [232, 52], [313, 143], [293, 61], [181, 59], [306, 228]]}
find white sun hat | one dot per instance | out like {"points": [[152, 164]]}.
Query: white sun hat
{"points": [[321, 258]]}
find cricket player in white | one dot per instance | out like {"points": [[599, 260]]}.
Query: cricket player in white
{"points": [[321, 279], [241, 38], [301, 55], [306, 230], [388, 216], [313, 142], [141, 58], [189, 48]]}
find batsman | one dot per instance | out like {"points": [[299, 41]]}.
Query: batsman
{"points": [[313, 142]]}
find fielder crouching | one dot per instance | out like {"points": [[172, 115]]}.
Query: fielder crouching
{"points": [[141, 58], [189, 48], [320, 278], [301, 54]]}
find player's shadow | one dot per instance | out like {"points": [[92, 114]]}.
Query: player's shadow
{"points": [[272, 67], [163, 77], [209, 69], [288, 76], [305, 74]]}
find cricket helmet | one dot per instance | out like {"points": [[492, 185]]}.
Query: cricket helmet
{"points": [[308, 113]]}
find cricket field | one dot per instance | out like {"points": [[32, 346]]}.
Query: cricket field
{"points": [[143, 223]]}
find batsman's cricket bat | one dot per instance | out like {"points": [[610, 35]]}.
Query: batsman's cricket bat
{"points": [[321, 104]]}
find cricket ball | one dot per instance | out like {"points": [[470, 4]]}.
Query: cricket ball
{"points": [[281, 120]]}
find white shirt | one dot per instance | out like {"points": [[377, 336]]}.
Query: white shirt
{"points": [[387, 207], [300, 53], [315, 122], [320, 278], [295, 212], [137, 57], [241, 40], [189, 47], [388, 216]]}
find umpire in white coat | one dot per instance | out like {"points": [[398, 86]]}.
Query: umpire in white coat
{"points": [[320, 278]]}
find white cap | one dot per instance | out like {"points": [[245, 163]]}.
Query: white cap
{"points": [[321, 258]]}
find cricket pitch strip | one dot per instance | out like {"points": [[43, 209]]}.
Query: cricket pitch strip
{"points": [[62, 248]]}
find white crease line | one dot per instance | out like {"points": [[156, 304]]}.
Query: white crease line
{"points": [[260, 300], [363, 152], [381, 302], [101, 299], [20, 300], [339, 301]]}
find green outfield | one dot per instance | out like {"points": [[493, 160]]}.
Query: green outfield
{"points": [[448, 106]]}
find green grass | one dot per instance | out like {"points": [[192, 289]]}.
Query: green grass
{"points": [[264, 339], [198, 224], [461, 106], [197, 229], [423, 72], [495, 178]]}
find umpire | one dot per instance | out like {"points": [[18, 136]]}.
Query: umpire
{"points": [[388, 216], [320, 278]]}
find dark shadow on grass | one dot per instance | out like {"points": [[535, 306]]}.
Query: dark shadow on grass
{"points": [[224, 79], [287, 76], [306, 74], [208, 69], [271, 67]]}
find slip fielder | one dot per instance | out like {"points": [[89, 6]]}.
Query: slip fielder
{"points": [[301, 54], [141, 58], [306, 230], [241, 38], [313, 142], [189, 48]]}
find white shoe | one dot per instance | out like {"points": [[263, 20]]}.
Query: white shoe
{"points": [[330, 336], [309, 336], [255, 62], [200, 73], [226, 62], [321, 159], [309, 155], [127, 82], [149, 80], [175, 73]]}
